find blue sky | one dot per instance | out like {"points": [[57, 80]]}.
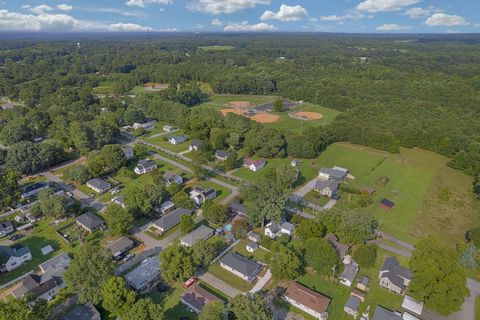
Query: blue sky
{"points": [[358, 16]]}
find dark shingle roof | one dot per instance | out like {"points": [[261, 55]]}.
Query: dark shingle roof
{"points": [[384, 314], [99, 184], [393, 267], [222, 154], [170, 220], [146, 163], [245, 266], [82, 312], [120, 244], [337, 174], [90, 221], [353, 303], [237, 207], [196, 143], [322, 184], [198, 297], [17, 250]]}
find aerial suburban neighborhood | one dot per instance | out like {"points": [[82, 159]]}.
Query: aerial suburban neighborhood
{"points": [[151, 174]]}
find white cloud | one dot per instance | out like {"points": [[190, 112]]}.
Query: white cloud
{"points": [[217, 22], [247, 27], [286, 13], [127, 13], [384, 5], [223, 6], [64, 7], [443, 19], [127, 27], [392, 27], [144, 3], [417, 12], [349, 16], [41, 9], [332, 17], [26, 6]]}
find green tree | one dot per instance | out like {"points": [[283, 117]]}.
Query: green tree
{"points": [[205, 251], [284, 262], [143, 309], [9, 187], [278, 106], [307, 229], [113, 157], [81, 137], [76, 173], [25, 157], [438, 278], [21, 309], [473, 235], [218, 137], [213, 311], [366, 255], [320, 255], [133, 115], [88, 271], [214, 212], [50, 204], [16, 131], [182, 200], [177, 263], [119, 220], [116, 297], [250, 307], [187, 224]]}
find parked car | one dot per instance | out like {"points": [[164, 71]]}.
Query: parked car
{"points": [[69, 194], [114, 192], [15, 237], [128, 257]]}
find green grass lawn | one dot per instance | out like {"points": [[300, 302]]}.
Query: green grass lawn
{"points": [[158, 128], [340, 293], [316, 198], [477, 308], [104, 88], [162, 142], [170, 301], [219, 101], [258, 255], [216, 48], [229, 278], [214, 291], [288, 123], [42, 235]]}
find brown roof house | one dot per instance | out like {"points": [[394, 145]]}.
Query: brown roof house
{"points": [[195, 298], [307, 300], [394, 277]]}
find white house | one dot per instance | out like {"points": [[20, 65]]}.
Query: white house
{"points": [[327, 188], [98, 185], [177, 139], [241, 266], [195, 145], [287, 228], [271, 230], [168, 128], [336, 173], [6, 227], [200, 194], [145, 166], [170, 177], [148, 125], [349, 273], [274, 229], [14, 256], [254, 165], [251, 247]]}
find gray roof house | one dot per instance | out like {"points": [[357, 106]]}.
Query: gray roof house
{"points": [[6, 227], [340, 248], [348, 274], [62, 261], [241, 266], [90, 222], [382, 313], [351, 307], [237, 208], [120, 246], [33, 189], [200, 194], [200, 234], [170, 177], [253, 236], [326, 187], [362, 283], [394, 277], [145, 276], [82, 312], [333, 174], [195, 145], [272, 229], [170, 220], [222, 155], [287, 228], [99, 185], [177, 139], [145, 166], [14, 256]]}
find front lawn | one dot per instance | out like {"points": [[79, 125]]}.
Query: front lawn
{"points": [[162, 141], [229, 278], [260, 254], [222, 192], [316, 198]]}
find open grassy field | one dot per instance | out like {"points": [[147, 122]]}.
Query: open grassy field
{"points": [[216, 48], [429, 197], [218, 101], [161, 142], [229, 278], [288, 123], [340, 293]]}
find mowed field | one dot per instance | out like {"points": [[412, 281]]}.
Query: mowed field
{"points": [[430, 198]]}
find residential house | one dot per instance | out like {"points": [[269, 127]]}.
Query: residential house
{"points": [[166, 207], [274, 229], [241, 266], [222, 155], [47, 284], [195, 298], [237, 208], [6, 227], [359, 294], [294, 163], [145, 276], [348, 274], [145, 166], [327, 188], [386, 204], [409, 316], [195, 145], [7, 106], [251, 246], [307, 300], [167, 128], [382, 313], [254, 165], [253, 236], [394, 277], [14, 257], [177, 139], [287, 228], [119, 247], [120, 200], [351, 307], [333, 174], [148, 125], [362, 283], [33, 189], [128, 151], [98, 185], [412, 305], [200, 194], [82, 312], [340, 248], [90, 222], [170, 177], [201, 233], [170, 220]]}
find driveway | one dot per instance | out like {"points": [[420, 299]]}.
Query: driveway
{"points": [[329, 205], [262, 282], [220, 285], [137, 259], [306, 188]]}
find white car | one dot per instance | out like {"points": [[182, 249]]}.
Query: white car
{"points": [[114, 192]]}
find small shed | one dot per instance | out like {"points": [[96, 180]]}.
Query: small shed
{"points": [[386, 204], [369, 190], [46, 250], [351, 307], [362, 283], [253, 236], [251, 247]]}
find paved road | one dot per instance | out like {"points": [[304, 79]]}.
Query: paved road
{"points": [[301, 192], [395, 240], [220, 285], [262, 282], [403, 253]]}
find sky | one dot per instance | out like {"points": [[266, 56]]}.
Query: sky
{"points": [[347, 16]]}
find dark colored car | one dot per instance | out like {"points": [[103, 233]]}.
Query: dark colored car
{"points": [[15, 237]]}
